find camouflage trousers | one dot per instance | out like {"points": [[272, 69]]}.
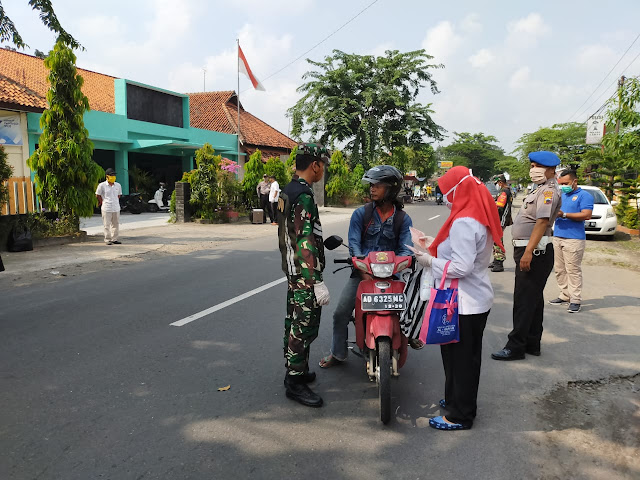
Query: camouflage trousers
{"points": [[497, 253], [300, 327]]}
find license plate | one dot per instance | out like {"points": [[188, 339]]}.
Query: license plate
{"points": [[383, 301], [591, 224]]}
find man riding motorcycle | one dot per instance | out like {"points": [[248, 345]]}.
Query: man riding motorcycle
{"points": [[381, 225]]}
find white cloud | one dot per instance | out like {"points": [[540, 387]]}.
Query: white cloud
{"points": [[379, 50], [441, 41], [520, 78], [595, 56], [471, 24], [273, 7], [481, 58], [528, 30]]}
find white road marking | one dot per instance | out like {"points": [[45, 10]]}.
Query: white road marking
{"points": [[432, 218], [222, 305]]}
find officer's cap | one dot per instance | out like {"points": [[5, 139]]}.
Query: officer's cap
{"points": [[547, 159]]}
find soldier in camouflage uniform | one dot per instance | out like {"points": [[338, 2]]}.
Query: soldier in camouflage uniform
{"points": [[300, 238]]}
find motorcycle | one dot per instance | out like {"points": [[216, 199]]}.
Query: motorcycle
{"points": [[379, 303], [159, 203], [439, 200], [131, 203]]}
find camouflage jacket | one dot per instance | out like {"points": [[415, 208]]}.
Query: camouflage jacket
{"points": [[300, 234]]}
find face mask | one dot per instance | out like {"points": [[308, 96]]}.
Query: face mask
{"points": [[447, 202], [566, 188], [498, 186], [537, 174], [111, 178]]}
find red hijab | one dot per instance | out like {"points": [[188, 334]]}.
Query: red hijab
{"points": [[472, 199]]}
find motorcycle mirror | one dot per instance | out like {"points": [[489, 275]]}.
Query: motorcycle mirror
{"points": [[333, 242]]}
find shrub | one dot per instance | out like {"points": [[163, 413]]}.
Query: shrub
{"points": [[6, 171]]}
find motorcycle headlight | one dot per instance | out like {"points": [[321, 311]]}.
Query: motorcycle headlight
{"points": [[382, 270], [610, 213]]}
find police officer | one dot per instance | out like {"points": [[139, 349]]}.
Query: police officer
{"points": [[503, 202], [300, 239], [533, 255]]}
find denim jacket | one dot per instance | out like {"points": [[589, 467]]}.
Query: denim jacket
{"points": [[379, 236]]}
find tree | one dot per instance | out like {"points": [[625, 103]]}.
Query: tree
{"points": [[9, 32], [253, 171], [517, 169], [39, 54], [275, 167], [204, 182], [339, 185], [66, 176], [476, 151], [361, 190], [6, 171], [567, 140], [367, 102]]}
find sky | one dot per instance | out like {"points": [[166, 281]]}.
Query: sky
{"points": [[510, 67]]}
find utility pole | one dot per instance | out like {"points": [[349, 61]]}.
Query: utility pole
{"points": [[620, 85]]}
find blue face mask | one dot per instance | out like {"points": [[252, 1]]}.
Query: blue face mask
{"points": [[566, 188]]}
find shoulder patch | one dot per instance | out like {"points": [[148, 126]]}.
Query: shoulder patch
{"points": [[548, 194]]}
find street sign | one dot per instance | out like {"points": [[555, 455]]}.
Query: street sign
{"points": [[595, 129]]}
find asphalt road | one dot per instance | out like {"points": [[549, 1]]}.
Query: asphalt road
{"points": [[96, 383]]}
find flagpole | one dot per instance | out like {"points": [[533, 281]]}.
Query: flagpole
{"points": [[238, 95]]}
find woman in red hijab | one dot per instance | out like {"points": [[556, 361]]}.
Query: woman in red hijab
{"points": [[466, 239]]}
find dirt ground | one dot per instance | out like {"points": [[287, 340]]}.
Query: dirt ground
{"points": [[622, 252], [592, 428]]}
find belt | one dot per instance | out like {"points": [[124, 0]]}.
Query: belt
{"points": [[540, 248]]}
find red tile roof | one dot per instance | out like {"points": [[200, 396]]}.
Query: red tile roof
{"points": [[218, 111], [23, 82]]}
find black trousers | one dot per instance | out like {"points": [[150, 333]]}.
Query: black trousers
{"points": [[265, 204], [462, 363], [528, 301]]}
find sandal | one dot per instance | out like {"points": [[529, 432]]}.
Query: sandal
{"points": [[329, 361], [442, 403], [440, 423], [416, 343]]}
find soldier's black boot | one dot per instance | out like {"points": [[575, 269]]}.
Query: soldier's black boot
{"points": [[299, 391], [497, 266], [491, 264], [308, 377]]}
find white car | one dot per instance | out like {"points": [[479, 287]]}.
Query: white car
{"points": [[603, 219]]}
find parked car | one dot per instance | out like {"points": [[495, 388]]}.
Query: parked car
{"points": [[493, 190], [603, 220]]}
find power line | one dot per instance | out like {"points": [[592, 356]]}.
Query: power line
{"points": [[605, 77], [610, 85], [321, 41]]}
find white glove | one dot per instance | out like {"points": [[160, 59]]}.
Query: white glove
{"points": [[322, 293], [423, 258]]}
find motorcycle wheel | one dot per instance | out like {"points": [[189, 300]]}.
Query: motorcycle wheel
{"points": [[384, 379], [153, 208]]}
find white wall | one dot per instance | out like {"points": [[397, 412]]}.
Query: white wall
{"points": [[18, 154]]}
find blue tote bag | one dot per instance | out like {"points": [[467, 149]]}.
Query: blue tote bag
{"points": [[441, 323]]}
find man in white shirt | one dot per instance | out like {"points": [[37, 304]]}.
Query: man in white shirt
{"points": [[274, 195], [109, 193]]}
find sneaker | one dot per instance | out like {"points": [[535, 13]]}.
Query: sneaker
{"points": [[117, 242], [109, 243], [573, 308], [557, 301]]}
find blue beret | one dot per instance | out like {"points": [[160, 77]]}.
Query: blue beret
{"points": [[548, 159]]}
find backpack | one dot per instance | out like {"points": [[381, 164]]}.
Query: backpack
{"points": [[398, 220]]}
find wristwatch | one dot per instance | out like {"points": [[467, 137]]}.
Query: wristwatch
{"points": [[564, 215]]}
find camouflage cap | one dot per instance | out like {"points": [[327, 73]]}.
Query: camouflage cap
{"points": [[314, 150]]}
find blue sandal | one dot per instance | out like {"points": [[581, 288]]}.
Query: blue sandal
{"points": [[442, 403], [440, 424]]}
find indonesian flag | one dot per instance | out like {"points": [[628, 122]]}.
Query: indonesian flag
{"points": [[244, 68]]}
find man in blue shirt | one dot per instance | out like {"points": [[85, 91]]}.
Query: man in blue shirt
{"points": [[569, 240], [381, 225]]}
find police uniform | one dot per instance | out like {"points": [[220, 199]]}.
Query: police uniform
{"points": [[528, 299]]}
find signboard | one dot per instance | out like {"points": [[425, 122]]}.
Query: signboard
{"points": [[595, 129], [445, 164], [10, 131]]}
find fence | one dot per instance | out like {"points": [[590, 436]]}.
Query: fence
{"points": [[22, 197]]}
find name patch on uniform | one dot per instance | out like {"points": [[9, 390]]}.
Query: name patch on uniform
{"points": [[548, 197], [574, 198]]}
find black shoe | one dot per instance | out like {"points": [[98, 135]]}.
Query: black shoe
{"points": [[117, 242], [533, 351], [573, 308], [491, 264], [497, 266], [308, 377], [109, 243], [557, 301], [301, 393], [507, 354]]}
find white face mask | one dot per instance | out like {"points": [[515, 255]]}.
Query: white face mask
{"points": [[537, 175], [447, 202], [453, 191]]}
